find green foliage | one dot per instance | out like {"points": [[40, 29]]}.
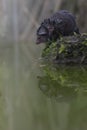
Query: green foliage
{"points": [[62, 48], [49, 50], [71, 49]]}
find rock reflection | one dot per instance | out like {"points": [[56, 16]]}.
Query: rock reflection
{"points": [[63, 83]]}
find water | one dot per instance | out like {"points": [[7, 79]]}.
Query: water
{"points": [[41, 96]]}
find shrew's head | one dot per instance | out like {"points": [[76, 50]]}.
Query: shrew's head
{"points": [[45, 31]]}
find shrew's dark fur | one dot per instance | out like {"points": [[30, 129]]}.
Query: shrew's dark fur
{"points": [[61, 23]]}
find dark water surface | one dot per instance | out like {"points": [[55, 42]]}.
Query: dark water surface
{"points": [[40, 97]]}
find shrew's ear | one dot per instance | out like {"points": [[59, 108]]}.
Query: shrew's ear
{"points": [[41, 31], [56, 21]]}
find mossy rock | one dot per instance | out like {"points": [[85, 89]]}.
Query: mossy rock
{"points": [[68, 49]]}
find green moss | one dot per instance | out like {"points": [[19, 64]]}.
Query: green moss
{"points": [[62, 48], [69, 49]]}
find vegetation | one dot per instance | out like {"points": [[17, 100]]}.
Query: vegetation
{"points": [[70, 49]]}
